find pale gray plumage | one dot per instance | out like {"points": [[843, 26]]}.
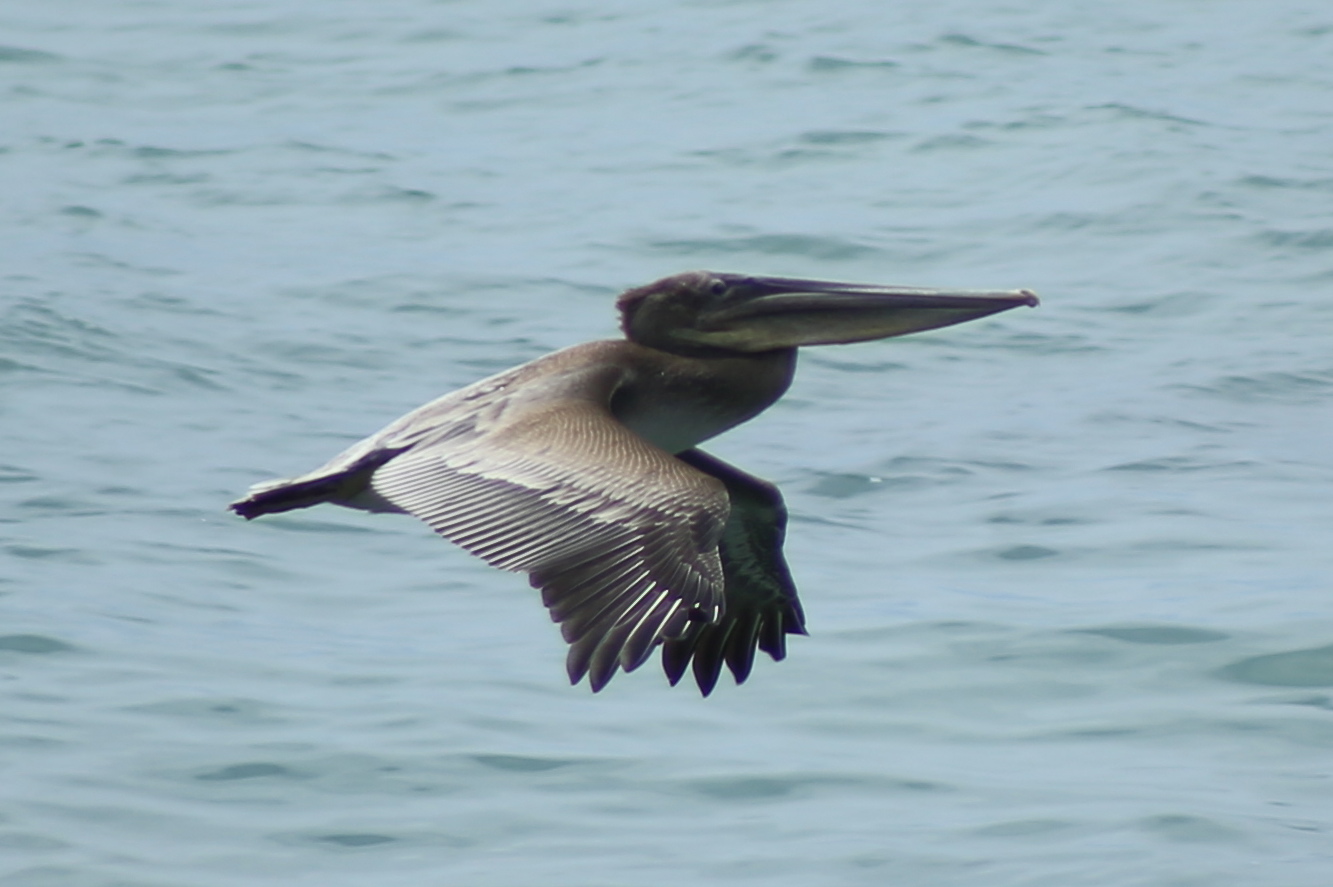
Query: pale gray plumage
{"points": [[578, 468]]}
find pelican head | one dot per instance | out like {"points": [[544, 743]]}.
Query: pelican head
{"points": [[699, 312]]}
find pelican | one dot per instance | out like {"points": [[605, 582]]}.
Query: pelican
{"points": [[580, 468]]}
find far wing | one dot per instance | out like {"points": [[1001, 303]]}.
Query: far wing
{"points": [[761, 603]]}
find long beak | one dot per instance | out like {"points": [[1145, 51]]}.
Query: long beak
{"points": [[766, 313]]}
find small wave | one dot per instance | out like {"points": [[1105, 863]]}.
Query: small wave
{"points": [[1284, 387], [753, 52], [972, 42], [837, 485], [950, 142], [12, 474], [51, 553], [522, 763], [1182, 304], [389, 194], [810, 246], [1181, 827], [356, 839], [846, 137], [24, 56], [251, 770], [1026, 553], [1319, 239], [761, 787], [1136, 113], [1311, 667], [827, 63], [1156, 634], [33, 644], [1275, 182], [153, 152], [1177, 464]]}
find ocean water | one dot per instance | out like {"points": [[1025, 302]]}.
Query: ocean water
{"points": [[1067, 571]]}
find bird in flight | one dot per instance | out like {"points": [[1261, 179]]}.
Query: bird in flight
{"points": [[581, 468]]}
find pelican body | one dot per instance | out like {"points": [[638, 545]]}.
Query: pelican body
{"points": [[580, 468]]}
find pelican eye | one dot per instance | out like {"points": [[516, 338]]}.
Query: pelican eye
{"points": [[717, 287]]}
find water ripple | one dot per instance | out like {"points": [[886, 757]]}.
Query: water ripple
{"points": [[811, 246], [1294, 668]]}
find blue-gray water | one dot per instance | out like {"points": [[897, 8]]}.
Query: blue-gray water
{"points": [[1067, 571]]}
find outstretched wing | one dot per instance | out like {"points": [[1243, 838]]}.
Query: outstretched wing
{"points": [[620, 536], [761, 603]]}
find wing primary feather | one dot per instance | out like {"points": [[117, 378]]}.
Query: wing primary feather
{"points": [[647, 634], [572, 587], [708, 656], [582, 648], [773, 636], [606, 609], [612, 651], [676, 658], [601, 668], [739, 650], [676, 655], [617, 641], [569, 592]]}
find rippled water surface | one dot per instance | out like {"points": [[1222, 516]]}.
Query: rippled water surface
{"points": [[1067, 571]]}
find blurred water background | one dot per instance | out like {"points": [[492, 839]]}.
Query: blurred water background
{"points": [[1067, 571]]}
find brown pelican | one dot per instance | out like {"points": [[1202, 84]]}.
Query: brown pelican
{"points": [[579, 468]]}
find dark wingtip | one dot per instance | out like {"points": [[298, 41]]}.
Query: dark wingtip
{"points": [[576, 666], [707, 667], [245, 508], [676, 658], [707, 680], [603, 666]]}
